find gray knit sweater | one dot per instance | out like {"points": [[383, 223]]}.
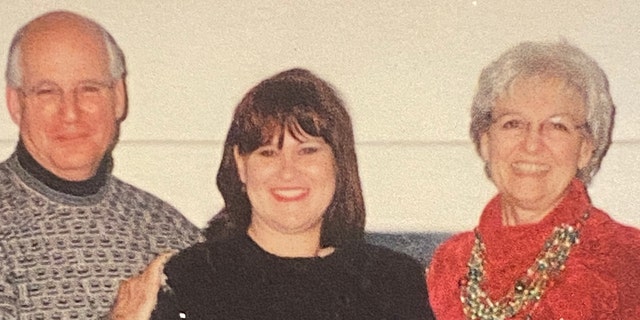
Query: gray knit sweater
{"points": [[62, 256]]}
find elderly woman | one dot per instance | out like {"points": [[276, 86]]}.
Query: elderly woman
{"points": [[541, 121], [289, 242]]}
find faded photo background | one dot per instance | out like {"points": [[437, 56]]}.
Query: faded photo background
{"points": [[407, 71]]}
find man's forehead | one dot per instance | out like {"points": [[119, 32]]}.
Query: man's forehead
{"points": [[60, 28], [80, 55]]}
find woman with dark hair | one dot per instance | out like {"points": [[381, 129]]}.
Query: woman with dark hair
{"points": [[541, 121], [300, 104], [289, 242]]}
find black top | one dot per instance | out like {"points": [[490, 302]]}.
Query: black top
{"points": [[236, 279]]}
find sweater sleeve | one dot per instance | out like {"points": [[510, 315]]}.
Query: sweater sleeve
{"points": [[8, 294], [623, 261], [447, 267]]}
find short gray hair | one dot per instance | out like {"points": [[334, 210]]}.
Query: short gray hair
{"points": [[13, 73], [560, 59]]}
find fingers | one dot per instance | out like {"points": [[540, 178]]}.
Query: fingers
{"points": [[153, 274], [137, 296]]}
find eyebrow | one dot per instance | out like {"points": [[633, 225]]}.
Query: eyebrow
{"points": [[40, 84], [562, 114], [46, 82]]}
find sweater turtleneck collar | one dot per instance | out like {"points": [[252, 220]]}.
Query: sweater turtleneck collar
{"points": [[510, 250], [568, 211], [87, 187]]}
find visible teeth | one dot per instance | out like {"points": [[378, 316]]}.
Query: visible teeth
{"points": [[289, 193], [529, 167]]}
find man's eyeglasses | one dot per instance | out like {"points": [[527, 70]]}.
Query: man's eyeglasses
{"points": [[52, 93]]}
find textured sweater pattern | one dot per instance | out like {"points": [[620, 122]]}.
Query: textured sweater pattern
{"points": [[63, 256]]}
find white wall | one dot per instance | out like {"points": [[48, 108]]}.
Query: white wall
{"points": [[407, 70]]}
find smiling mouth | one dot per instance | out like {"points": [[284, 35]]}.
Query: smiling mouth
{"points": [[66, 139], [71, 136], [289, 194], [530, 168]]}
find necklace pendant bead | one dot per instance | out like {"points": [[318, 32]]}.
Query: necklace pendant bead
{"points": [[520, 287]]}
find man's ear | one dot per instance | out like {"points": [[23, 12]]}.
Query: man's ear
{"points": [[120, 90], [14, 105], [242, 173]]}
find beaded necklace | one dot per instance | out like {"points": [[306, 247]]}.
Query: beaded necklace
{"points": [[527, 290]]}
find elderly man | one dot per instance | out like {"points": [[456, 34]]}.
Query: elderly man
{"points": [[69, 230]]}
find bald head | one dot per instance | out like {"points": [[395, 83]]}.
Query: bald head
{"points": [[66, 92], [58, 29]]}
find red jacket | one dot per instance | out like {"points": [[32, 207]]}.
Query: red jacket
{"points": [[601, 279]]}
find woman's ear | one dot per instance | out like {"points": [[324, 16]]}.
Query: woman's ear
{"points": [[484, 147], [240, 164], [586, 152]]}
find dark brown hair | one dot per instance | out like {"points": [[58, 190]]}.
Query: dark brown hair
{"points": [[292, 100]]}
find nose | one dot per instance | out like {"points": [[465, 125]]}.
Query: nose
{"points": [[287, 166], [533, 138], [69, 108]]}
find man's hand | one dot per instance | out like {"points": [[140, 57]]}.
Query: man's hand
{"points": [[137, 296]]}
